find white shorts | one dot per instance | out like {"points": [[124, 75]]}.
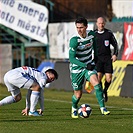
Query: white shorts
{"points": [[14, 80]]}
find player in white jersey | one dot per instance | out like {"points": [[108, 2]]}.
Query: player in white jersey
{"points": [[29, 78]]}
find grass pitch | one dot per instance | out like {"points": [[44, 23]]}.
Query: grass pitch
{"points": [[57, 118]]}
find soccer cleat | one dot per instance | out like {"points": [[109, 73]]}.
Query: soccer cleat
{"points": [[35, 113], [74, 113], [105, 95], [104, 111]]}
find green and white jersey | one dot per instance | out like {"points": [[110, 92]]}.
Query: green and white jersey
{"points": [[82, 50]]}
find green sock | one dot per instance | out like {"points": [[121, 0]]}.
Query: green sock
{"points": [[75, 102], [99, 95]]}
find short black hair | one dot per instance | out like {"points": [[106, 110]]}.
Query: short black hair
{"points": [[81, 20], [53, 72]]}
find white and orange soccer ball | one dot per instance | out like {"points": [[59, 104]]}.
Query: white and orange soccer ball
{"points": [[84, 111]]}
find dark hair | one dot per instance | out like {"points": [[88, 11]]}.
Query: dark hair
{"points": [[53, 72], [82, 20]]}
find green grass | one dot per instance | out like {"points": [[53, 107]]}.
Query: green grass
{"points": [[57, 118]]}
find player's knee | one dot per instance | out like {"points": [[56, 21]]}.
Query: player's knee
{"points": [[35, 87], [18, 97], [108, 80], [78, 94], [98, 87]]}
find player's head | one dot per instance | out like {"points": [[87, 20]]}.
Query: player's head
{"points": [[100, 23], [51, 74], [81, 25], [81, 20]]}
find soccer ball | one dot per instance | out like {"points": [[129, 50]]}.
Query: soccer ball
{"points": [[84, 111]]}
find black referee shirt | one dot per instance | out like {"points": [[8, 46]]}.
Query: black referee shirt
{"points": [[104, 40]]}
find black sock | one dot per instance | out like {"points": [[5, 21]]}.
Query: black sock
{"points": [[106, 84], [101, 84]]}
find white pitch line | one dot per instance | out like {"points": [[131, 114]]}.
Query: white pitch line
{"points": [[62, 101], [90, 104]]}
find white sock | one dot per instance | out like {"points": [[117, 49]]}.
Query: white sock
{"points": [[102, 108], [73, 108], [33, 100], [7, 100]]}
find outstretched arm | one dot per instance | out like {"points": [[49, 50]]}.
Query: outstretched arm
{"points": [[26, 110], [41, 102]]}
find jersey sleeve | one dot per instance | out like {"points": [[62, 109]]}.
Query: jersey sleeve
{"points": [[42, 82], [72, 52], [114, 44], [28, 98], [95, 47], [41, 99]]}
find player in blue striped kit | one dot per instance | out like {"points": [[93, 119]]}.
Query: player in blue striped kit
{"points": [[29, 78]]}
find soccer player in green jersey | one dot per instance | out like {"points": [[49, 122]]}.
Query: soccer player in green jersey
{"points": [[82, 56]]}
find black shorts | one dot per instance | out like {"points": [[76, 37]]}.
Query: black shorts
{"points": [[104, 65]]}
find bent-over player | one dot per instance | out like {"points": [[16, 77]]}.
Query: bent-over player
{"points": [[29, 78]]}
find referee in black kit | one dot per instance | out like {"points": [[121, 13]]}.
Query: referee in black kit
{"points": [[105, 38]]}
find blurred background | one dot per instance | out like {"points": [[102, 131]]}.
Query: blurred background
{"points": [[37, 32]]}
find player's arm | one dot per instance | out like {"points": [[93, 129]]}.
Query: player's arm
{"points": [[42, 83], [41, 101], [26, 110], [72, 53], [95, 49], [115, 45], [28, 99]]}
